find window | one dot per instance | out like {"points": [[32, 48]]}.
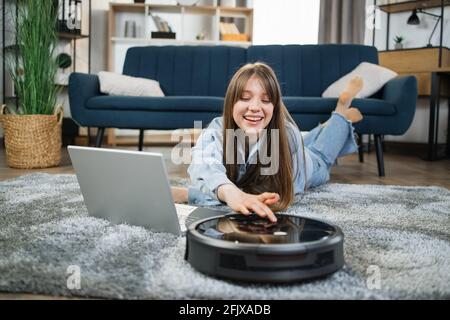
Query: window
{"points": [[286, 22]]}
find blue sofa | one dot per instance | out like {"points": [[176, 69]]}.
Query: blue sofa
{"points": [[195, 78]]}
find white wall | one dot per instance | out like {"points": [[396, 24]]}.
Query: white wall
{"points": [[415, 37], [286, 22]]}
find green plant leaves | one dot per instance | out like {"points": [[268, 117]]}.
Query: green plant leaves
{"points": [[35, 69]]}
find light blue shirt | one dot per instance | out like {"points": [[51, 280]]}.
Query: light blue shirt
{"points": [[207, 171]]}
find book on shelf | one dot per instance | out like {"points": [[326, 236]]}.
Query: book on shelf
{"points": [[161, 24], [230, 32], [228, 28]]}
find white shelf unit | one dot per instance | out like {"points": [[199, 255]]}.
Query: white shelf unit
{"points": [[186, 22]]}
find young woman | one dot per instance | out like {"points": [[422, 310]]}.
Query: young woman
{"points": [[253, 107]]}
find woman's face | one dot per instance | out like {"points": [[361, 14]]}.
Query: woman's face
{"points": [[253, 111]]}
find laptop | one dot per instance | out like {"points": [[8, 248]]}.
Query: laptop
{"points": [[132, 187]]}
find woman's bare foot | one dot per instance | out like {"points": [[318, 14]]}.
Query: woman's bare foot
{"points": [[180, 195], [353, 115], [346, 97]]}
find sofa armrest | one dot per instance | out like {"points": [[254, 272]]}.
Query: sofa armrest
{"points": [[82, 87], [402, 92]]}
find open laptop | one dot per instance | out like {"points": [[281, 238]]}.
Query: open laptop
{"points": [[131, 187]]}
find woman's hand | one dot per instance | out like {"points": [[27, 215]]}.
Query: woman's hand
{"points": [[246, 203]]}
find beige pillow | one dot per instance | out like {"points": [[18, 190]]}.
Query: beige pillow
{"points": [[119, 85], [373, 75]]}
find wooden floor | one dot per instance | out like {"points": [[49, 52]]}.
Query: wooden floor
{"points": [[401, 169]]}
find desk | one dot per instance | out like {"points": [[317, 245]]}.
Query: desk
{"points": [[436, 76], [432, 81]]}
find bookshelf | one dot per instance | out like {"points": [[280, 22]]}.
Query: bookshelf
{"points": [[390, 7], [65, 36], [206, 19]]}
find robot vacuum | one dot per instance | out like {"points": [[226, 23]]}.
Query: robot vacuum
{"points": [[253, 249]]}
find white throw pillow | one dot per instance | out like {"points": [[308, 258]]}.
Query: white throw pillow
{"points": [[119, 85], [374, 76]]}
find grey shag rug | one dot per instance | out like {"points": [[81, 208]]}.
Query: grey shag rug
{"points": [[397, 246]]}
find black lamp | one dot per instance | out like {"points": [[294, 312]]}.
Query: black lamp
{"points": [[414, 20]]}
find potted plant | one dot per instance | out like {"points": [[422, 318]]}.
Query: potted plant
{"points": [[33, 131], [399, 42]]}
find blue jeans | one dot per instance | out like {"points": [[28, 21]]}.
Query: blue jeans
{"points": [[326, 143]]}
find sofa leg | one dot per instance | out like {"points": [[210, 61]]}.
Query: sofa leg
{"points": [[360, 148], [99, 139], [141, 139], [379, 152], [89, 141]]}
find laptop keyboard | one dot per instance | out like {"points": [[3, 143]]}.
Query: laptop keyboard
{"points": [[183, 211], [188, 214]]}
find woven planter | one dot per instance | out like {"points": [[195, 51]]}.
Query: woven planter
{"points": [[32, 141]]}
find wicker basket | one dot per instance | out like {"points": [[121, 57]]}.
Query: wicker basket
{"points": [[32, 141]]}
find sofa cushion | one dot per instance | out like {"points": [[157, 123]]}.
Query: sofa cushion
{"points": [[167, 104], [119, 85], [374, 78], [307, 70], [311, 105], [314, 105]]}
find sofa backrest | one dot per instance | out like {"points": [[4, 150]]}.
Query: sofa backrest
{"points": [[186, 70], [303, 70], [307, 70]]}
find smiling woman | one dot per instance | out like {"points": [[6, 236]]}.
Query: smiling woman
{"points": [[254, 159]]}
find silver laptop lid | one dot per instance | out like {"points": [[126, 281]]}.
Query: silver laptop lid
{"points": [[126, 187]]}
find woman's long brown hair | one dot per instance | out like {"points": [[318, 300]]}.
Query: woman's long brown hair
{"points": [[253, 182]]}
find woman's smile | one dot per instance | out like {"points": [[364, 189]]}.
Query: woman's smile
{"points": [[253, 120]]}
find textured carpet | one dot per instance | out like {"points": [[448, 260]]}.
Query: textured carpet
{"points": [[398, 235]]}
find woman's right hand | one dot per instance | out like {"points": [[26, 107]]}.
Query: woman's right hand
{"points": [[246, 203]]}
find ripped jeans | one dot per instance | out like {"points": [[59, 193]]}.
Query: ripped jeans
{"points": [[327, 142]]}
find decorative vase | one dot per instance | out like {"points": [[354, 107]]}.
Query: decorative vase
{"points": [[32, 141]]}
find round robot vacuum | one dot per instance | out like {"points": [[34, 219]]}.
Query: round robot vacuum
{"points": [[253, 249]]}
